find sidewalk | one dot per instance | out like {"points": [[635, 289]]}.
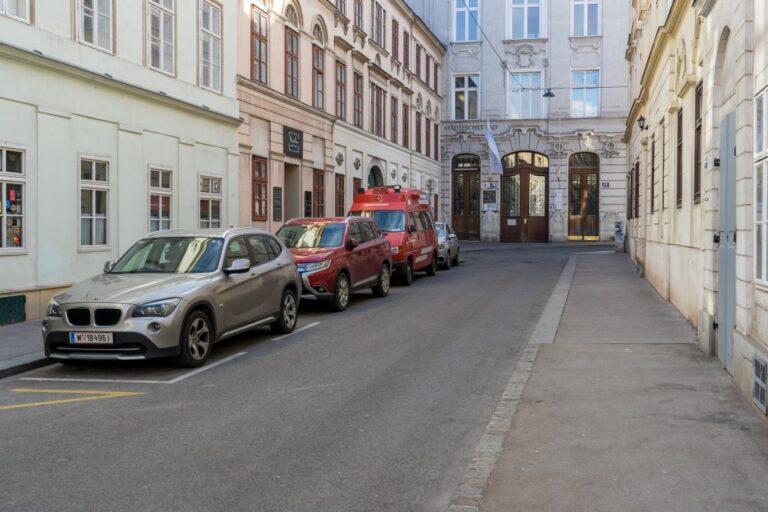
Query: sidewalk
{"points": [[474, 246], [624, 413], [21, 348]]}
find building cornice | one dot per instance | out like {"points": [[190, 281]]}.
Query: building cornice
{"points": [[299, 105], [38, 58]]}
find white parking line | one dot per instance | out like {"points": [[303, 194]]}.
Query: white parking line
{"points": [[308, 326], [141, 381]]}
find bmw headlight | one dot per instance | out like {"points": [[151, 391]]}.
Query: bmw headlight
{"points": [[316, 265], [54, 309], [159, 308], [441, 246]]}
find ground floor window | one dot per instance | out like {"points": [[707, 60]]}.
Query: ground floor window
{"points": [[259, 187], [160, 194], [12, 199], [94, 202], [318, 194], [761, 221], [340, 210], [210, 202]]}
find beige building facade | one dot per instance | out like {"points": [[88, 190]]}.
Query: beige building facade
{"points": [[332, 100], [696, 172]]}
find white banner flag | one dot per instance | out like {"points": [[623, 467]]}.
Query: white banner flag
{"points": [[494, 149]]}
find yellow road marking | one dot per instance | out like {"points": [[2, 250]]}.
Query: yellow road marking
{"points": [[89, 395]]}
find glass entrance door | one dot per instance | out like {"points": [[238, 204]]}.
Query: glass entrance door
{"points": [[466, 197], [525, 198], [583, 197]]}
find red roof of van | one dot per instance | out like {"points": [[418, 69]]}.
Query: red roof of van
{"points": [[389, 198]]}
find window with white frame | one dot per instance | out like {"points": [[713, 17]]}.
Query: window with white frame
{"points": [[94, 203], [379, 25], [466, 17], [465, 96], [18, 9], [761, 187], [210, 45], [12, 199], [525, 95], [761, 124], [95, 23], [210, 202], [160, 196], [526, 19], [586, 18], [161, 34], [585, 93]]}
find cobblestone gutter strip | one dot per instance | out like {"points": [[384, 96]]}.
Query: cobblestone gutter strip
{"points": [[468, 496]]}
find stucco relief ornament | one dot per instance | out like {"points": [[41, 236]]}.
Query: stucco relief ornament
{"points": [[339, 158], [609, 150], [559, 151], [524, 55], [357, 163]]}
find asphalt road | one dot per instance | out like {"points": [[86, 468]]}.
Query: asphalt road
{"points": [[377, 408]]}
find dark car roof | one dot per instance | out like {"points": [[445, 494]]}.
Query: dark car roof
{"points": [[326, 220]]}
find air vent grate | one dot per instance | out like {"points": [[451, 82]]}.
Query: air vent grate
{"points": [[760, 374]]}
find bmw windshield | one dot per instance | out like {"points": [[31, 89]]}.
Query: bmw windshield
{"points": [[171, 255], [391, 221]]}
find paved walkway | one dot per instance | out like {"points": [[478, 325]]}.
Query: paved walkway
{"points": [[21, 347], [625, 413]]}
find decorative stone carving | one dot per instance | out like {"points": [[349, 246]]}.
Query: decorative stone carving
{"points": [[609, 149], [357, 163], [524, 55], [339, 158]]}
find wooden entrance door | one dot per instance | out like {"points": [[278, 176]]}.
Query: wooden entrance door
{"points": [[466, 204], [583, 197], [525, 205]]}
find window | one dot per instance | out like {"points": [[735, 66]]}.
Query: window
{"points": [[341, 90], [379, 25], [318, 77], [418, 61], [318, 193], [341, 6], [436, 153], [406, 126], [94, 202], [636, 194], [406, 50], [697, 145], [358, 100], [15, 9], [95, 23], [291, 63], [465, 96], [586, 17], [427, 70], [259, 187], [378, 110], [340, 210], [395, 40], [679, 174], [359, 14], [161, 39], [394, 121], [525, 95], [160, 195], [210, 45], [418, 132], [210, 202], [12, 199], [526, 19], [653, 175], [761, 221], [434, 85], [427, 137], [761, 123], [466, 20], [259, 45], [585, 93]]}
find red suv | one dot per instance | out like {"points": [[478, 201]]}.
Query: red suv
{"points": [[338, 256]]}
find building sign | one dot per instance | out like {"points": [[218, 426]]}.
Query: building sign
{"points": [[293, 142], [490, 202], [478, 129], [277, 204]]}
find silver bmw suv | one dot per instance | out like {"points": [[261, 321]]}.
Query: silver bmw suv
{"points": [[174, 294]]}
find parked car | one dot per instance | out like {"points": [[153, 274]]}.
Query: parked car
{"points": [[174, 294], [404, 215], [339, 256], [447, 245]]}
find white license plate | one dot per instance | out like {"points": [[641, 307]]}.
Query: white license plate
{"points": [[90, 338]]}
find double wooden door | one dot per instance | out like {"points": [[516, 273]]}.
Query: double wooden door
{"points": [[583, 205], [466, 204], [525, 205]]}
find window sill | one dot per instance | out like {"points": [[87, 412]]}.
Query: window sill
{"points": [[518, 40], [14, 252], [108, 51], [94, 248], [16, 18], [467, 42], [210, 89], [162, 71]]}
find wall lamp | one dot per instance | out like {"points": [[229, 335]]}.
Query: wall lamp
{"points": [[641, 123]]}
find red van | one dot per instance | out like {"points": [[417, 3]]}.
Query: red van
{"points": [[405, 216]]}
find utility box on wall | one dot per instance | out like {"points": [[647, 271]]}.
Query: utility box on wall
{"points": [[13, 309]]}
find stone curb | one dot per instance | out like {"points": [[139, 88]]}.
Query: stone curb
{"points": [[22, 364]]}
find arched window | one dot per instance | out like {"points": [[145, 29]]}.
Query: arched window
{"points": [[525, 158], [291, 16], [375, 177], [584, 160], [466, 162]]}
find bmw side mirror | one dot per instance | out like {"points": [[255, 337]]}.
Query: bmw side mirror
{"points": [[239, 266], [108, 267], [453, 237]]}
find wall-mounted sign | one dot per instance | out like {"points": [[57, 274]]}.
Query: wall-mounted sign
{"points": [[488, 185], [277, 204], [606, 184], [490, 202], [293, 142]]}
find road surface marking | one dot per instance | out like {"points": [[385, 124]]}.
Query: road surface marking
{"points": [[309, 388], [308, 326], [140, 381], [87, 395]]}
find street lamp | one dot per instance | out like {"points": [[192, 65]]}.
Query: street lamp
{"points": [[548, 94]]}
